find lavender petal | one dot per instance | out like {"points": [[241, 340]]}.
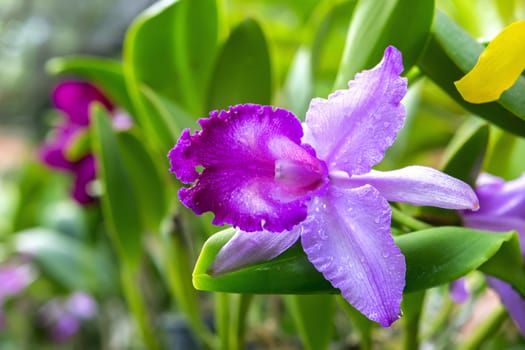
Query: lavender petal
{"points": [[248, 248], [352, 129], [347, 238], [458, 291], [421, 186], [514, 303]]}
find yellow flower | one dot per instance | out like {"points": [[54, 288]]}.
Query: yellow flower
{"points": [[498, 66]]}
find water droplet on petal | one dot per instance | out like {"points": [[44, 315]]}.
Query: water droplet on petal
{"points": [[323, 235]]}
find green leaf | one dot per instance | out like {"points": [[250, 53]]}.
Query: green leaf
{"points": [[306, 312], [450, 53], [119, 201], [147, 180], [243, 72], [433, 257], [332, 24], [168, 54], [377, 24], [79, 146], [170, 47], [105, 73], [466, 152], [64, 259]]}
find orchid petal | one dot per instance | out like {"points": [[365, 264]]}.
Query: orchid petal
{"points": [[458, 291], [85, 173], [500, 198], [74, 99], [347, 238], [514, 303], [247, 248], [251, 157], [352, 129], [498, 66], [421, 186]]}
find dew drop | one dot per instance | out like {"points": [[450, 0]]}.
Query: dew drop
{"points": [[386, 254], [323, 235], [377, 219]]}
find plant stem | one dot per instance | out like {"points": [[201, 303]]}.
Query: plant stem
{"points": [[178, 275], [363, 325], [137, 306], [486, 330], [222, 319], [412, 307], [237, 326], [406, 220]]}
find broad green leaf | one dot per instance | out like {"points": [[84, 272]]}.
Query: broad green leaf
{"points": [[242, 73], [450, 53], [466, 152], [149, 184], [105, 73], [172, 116], [62, 258], [329, 42], [433, 257], [168, 53], [299, 85], [306, 312], [171, 47], [404, 24], [119, 201]]}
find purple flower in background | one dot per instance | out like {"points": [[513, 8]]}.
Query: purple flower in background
{"points": [[63, 317], [73, 98], [502, 208], [13, 280], [277, 181]]}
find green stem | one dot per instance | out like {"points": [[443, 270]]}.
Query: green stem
{"points": [[363, 325], [485, 330], [137, 306], [403, 219], [439, 321], [412, 306], [178, 275], [237, 326], [222, 319]]}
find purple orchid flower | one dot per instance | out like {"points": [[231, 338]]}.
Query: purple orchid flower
{"points": [[73, 98], [13, 280], [502, 208], [64, 317], [277, 181]]}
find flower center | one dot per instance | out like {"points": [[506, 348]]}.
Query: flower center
{"points": [[298, 174]]}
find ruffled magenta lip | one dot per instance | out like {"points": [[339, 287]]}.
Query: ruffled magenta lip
{"points": [[255, 173]]}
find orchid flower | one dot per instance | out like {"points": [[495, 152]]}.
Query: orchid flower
{"points": [[502, 208], [13, 280], [498, 66], [275, 180], [73, 98], [63, 317]]}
